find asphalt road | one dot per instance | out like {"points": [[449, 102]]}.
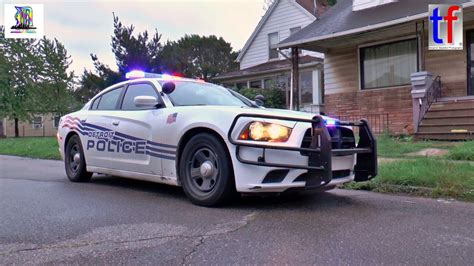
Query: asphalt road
{"points": [[46, 219]]}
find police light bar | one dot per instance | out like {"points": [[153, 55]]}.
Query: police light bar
{"points": [[330, 122], [136, 74]]}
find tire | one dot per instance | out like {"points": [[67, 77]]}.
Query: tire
{"points": [[206, 171], [76, 166]]}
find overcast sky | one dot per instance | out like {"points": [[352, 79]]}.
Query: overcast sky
{"points": [[85, 26]]}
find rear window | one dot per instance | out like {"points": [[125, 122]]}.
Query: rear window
{"points": [[109, 100]]}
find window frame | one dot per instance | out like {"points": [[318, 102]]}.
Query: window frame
{"points": [[122, 97], [33, 122], [54, 121], [269, 49], [375, 44], [99, 98]]}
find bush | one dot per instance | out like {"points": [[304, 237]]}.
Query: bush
{"points": [[464, 151], [274, 98]]}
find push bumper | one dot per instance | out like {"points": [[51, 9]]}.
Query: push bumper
{"points": [[320, 152]]}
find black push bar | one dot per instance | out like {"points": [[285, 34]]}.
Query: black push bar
{"points": [[320, 150]]}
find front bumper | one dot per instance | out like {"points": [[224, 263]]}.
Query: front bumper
{"points": [[320, 153]]}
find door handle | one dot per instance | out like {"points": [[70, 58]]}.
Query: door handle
{"points": [[115, 123]]}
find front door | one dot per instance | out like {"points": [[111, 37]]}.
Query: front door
{"points": [[139, 131], [470, 62]]}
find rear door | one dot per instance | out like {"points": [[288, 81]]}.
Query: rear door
{"points": [[137, 129], [100, 144]]}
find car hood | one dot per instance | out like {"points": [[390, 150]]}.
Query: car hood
{"points": [[236, 110]]}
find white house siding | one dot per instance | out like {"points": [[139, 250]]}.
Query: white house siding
{"points": [[364, 4], [285, 16]]}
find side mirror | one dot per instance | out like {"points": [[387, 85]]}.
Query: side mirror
{"points": [[146, 101], [260, 100], [168, 87]]}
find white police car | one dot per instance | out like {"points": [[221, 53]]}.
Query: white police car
{"points": [[210, 140]]}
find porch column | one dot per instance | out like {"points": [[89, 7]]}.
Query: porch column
{"points": [[295, 76], [420, 82]]}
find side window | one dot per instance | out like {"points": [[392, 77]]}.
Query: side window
{"points": [[109, 100], [95, 104], [135, 90]]}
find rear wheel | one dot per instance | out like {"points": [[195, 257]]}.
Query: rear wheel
{"points": [[75, 162], [206, 171]]}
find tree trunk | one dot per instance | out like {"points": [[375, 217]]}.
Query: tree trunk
{"points": [[17, 132]]}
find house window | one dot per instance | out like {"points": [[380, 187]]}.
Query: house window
{"points": [[257, 84], [272, 40], [56, 121], [294, 30], [241, 85], [270, 83], [306, 87], [388, 65], [37, 122]]}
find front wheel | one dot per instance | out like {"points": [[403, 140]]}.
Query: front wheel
{"points": [[75, 161], [206, 171]]}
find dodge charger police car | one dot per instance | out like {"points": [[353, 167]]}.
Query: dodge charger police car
{"points": [[210, 140]]}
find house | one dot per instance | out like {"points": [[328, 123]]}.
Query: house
{"points": [[41, 125], [262, 66], [377, 64]]}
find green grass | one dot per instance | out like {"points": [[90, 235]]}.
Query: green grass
{"points": [[34, 147], [464, 151], [424, 176], [391, 147]]}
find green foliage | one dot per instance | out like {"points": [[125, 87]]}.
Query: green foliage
{"points": [[464, 152], [34, 78], [196, 56], [192, 56], [274, 98], [34, 147], [390, 147], [56, 83], [433, 177], [135, 52]]}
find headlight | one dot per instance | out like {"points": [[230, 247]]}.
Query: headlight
{"points": [[261, 131]]}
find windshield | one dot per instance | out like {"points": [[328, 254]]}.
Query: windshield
{"points": [[188, 93]]}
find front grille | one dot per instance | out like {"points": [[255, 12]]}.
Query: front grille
{"points": [[335, 175], [341, 138], [275, 176]]}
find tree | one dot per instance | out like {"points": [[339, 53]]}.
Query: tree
{"points": [[92, 83], [196, 56], [135, 52], [131, 52], [56, 82], [34, 78], [19, 73]]}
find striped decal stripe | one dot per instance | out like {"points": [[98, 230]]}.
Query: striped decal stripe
{"points": [[154, 149]]}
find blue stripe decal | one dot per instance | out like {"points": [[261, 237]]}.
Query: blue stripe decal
{"points": [[158, 150], [152, 148], [161, 156], [161, 144]]}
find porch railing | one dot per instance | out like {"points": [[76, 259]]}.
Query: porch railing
{"points": [[378, 122], [433, 93]]}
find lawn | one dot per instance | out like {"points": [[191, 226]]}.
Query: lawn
{"points": [[391, 147], [34, 147], [424, 177]]}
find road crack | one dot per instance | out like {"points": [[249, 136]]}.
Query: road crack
{"points": [[221, 229]]}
